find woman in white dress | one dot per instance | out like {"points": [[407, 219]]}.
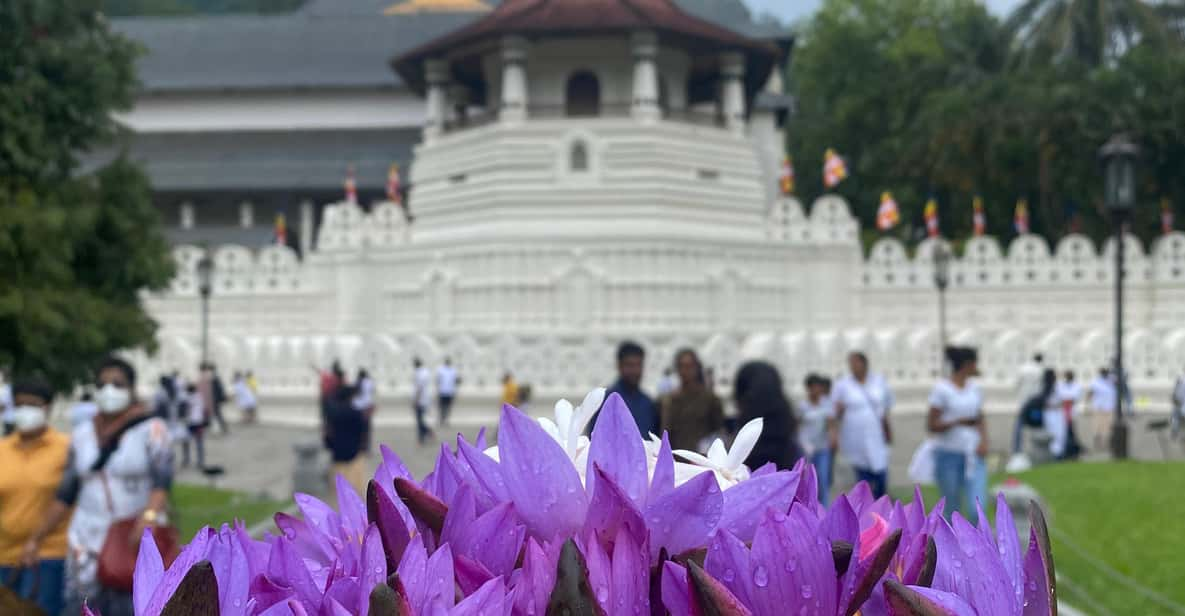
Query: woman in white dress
{"points": [[862, 404]]}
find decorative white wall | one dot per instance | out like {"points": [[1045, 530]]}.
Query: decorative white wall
{"points": [[376, 293]]}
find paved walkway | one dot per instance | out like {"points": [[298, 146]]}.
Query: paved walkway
{"points": [[259, 459]]}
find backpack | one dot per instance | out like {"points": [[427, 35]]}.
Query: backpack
{"points": [[1032, 412]]}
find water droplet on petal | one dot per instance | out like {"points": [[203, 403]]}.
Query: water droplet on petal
{"points": [[729, 575], [791, 565], [761, 576], [807, 591], [779, 516], [602, 593], [713, 488]]}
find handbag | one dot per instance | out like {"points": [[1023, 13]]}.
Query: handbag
{"points": [[12, 604], [921, 465], [117, 557]]}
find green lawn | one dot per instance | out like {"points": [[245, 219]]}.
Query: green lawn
{"points": [[1129, 516], [199, 506]]}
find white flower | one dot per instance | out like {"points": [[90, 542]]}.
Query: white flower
{"points": [[728, 464], [570, 422]]}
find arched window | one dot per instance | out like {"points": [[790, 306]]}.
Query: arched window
{"points": [[578, 158], [583, 95]]}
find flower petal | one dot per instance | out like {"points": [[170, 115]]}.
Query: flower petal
{"points": [[746, 502], [630, 576], [728, 560], [583, 414], [917, 601], [617, 450], [744, 443], [486, 472], [610, 510], [495, 539], [1040, 590], [149, 571], [540, 479], [713, 596], [792, 567], [423, 505], [663, 480], [676, 590], [684, 518], [489, 600], [383, 513], [867, 573], [1008, 544], [841, 522]]}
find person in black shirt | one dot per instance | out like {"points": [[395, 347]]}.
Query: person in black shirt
{"points": [[344, 439]]}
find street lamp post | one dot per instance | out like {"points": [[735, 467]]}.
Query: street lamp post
{"points": [[1118, 157], [205, 274], [942, 258]]}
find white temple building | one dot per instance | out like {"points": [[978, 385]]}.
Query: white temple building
{"points": [[596, 170]]}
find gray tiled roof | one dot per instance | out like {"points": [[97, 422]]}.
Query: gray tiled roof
{"points": [[326, 44], [297, 161]]}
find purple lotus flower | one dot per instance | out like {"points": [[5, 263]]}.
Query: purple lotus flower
{"points": [[982, 573], [551, 521]]}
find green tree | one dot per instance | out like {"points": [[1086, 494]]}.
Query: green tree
{"points": [[890, 85], [76, 250], [1092, 32]]}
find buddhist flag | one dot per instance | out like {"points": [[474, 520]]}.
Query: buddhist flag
{"points": [[786, 180], [1166, 215], [978, 218], [351, 187], [1020, 220], [393, 184], [281, 230], [931, 215], [835, 170], [887, 215]]}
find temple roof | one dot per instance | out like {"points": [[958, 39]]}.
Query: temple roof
{"points": [[542, 18], [324, 44]]}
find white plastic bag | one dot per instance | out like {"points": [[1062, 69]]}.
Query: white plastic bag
{"points": [[921, 465]]}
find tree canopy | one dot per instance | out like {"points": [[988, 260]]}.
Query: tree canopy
{"points": [[76, 250], [929, 99]]}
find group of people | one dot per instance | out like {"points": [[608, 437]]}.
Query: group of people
{"points": [[348, 408], [851, 417], [190, 407], [1054, 405], [74, 506]]}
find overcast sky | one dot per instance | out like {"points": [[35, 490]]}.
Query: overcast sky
{"points": [[791, 10]]}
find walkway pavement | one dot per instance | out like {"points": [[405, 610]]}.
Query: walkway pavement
{"points": [[259, 459]]}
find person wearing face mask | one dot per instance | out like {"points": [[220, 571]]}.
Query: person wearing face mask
{"points": [[31, 463], [119, 468]]}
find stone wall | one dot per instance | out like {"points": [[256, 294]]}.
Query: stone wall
{"points": [[376, 294]]}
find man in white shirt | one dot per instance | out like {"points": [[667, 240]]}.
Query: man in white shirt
{"points": [[446, 388], [1069, 392], [1028, 378], [421, 397], [1102, 397]]}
